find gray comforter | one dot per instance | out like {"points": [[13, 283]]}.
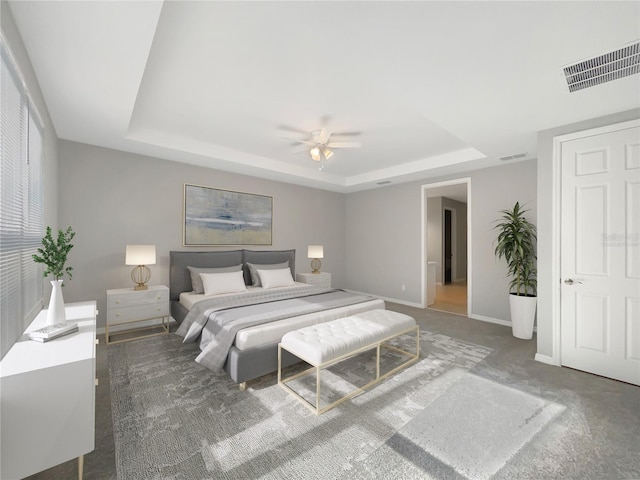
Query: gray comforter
{"points": [[217, 320]]}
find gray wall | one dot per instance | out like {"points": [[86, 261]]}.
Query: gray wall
{"points": [[383, 242], [383, 237], [546, 283], [113, 198], [50, 152]]}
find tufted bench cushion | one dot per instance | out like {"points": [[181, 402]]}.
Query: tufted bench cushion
{"points": [[324, 342]]}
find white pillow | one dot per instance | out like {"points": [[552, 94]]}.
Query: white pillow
{"points": [[217, 283], [280, 277]]}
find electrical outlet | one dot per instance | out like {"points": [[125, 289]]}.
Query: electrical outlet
{"points": [[404, 287]]}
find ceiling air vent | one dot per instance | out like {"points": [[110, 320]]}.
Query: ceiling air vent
{"points": [[610, 66], [513, 157]]}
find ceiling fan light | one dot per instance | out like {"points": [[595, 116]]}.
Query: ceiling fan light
{"points": [[327, 153], [315, 153]]}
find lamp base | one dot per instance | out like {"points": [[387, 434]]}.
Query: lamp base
{"points": [[315, 265], [140, 276]]}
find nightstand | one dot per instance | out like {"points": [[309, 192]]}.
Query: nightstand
{"points": [[128, 306], [322, 279]]}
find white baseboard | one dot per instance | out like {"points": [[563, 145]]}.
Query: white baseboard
{"points": [[495, 320], [482, 318], [546, 359], [129, 326], [388, 299]]}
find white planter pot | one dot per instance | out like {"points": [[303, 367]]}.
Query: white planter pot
{"points": [[55, 312], [523, 315]]}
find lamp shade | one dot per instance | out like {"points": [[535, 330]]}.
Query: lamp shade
{"points": [[315, 251], [140, 255]]}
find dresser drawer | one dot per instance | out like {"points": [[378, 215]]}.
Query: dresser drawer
{"points": [[140, 297], [137, 312]]}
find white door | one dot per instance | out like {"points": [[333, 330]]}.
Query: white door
{"points": [[600, 254]]}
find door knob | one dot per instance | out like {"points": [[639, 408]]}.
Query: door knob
{"points": [[571, 281]]}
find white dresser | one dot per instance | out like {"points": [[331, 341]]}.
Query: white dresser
{"points": [[322, 279], [48, 397], [128, 306]]}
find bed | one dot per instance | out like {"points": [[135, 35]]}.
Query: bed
{"points": [[240, 331]]}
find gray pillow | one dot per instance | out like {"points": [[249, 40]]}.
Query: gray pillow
{"points": [[253, 270], [196, 280]]}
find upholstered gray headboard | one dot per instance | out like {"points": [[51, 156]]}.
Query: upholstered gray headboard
{"points": [[180, 279]]}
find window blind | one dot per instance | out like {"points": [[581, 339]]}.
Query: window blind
{"points": [[21, 207]]}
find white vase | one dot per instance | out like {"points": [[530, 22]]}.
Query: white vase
{"points": [[55, 312], [523, 315]]}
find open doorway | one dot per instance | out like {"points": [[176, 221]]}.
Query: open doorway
{"points": [[446, 246]]}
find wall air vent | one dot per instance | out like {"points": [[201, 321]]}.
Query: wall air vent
{"points": [[605, 68], [513, 157]]}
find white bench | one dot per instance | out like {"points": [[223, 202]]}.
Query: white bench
{"points": [[328, 343]]}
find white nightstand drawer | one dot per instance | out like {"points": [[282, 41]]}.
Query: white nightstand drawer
{"points": [[130, 297], [149, 308], [322, 279], [137, 312]]}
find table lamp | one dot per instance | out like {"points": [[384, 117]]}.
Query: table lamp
{"points": [[316, 253], [141, 256]]}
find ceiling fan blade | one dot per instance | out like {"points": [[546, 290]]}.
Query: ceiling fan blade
{"points": [[297, 140], [344, 145], [324, 135], [286, 129], [346, 134]]}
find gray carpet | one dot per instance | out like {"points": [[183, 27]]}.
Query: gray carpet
{"points": [[173, 419]]}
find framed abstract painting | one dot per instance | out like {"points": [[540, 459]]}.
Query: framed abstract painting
{"points": [[224, 217]]}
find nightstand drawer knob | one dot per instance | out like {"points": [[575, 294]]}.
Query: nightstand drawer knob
{"points": [[117, 314], [117, 301]]}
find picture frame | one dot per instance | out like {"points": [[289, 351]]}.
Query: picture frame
{"points": [[214, 217]]}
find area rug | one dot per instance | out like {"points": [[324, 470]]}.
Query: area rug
{"points": [[174, 419], [471, 431]]}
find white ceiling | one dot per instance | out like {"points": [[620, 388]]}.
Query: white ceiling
{"points": [[431, 87]]}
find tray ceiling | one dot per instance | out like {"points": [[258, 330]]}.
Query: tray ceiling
{"points": [[430, 87]]}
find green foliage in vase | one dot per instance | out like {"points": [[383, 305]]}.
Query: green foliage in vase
{"points": [[54, 253], [516, 243]]}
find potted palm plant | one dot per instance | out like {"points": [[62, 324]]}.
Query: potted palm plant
{"points": [[53, 255], [516, 243]]}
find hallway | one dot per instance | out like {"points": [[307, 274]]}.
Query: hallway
{"points": [[451, 298]]}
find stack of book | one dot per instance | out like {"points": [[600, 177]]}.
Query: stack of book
{"points": [[52, 331]]}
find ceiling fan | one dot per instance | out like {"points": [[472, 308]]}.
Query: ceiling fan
{"points": [[321, 146]]}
